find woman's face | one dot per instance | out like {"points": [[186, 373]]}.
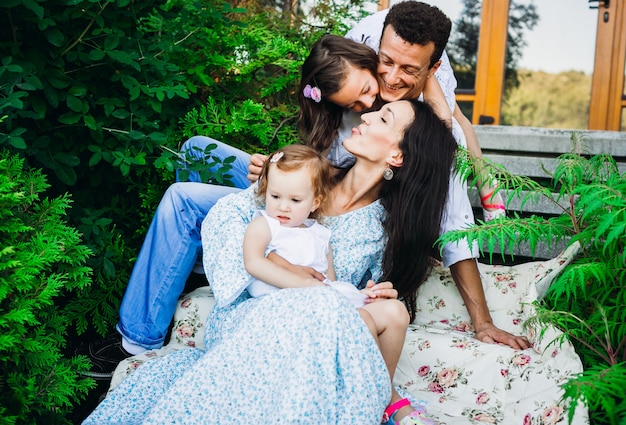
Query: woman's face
{"points": [[380, 132], [358, 92]]}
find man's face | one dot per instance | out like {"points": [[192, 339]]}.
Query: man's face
{"points": [[403, 67]]}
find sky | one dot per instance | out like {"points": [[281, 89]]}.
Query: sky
{"points": [[563, 40]]}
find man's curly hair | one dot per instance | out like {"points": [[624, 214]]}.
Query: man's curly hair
{"points": [[420, 23]]}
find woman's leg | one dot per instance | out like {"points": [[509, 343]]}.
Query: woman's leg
{"points": [[388, 321]]}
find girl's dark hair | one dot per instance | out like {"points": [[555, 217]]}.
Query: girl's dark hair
{"points": [[414, 201], [294, 157], [326, 68]]}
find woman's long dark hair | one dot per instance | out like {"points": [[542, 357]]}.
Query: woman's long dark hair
{"points": [[326, 68], [414, 201]]}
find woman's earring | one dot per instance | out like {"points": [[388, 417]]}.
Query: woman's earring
{"points": [[388, 174]]}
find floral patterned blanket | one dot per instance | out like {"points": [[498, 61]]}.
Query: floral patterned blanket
{"points": [[462, 380], [466, 381]]}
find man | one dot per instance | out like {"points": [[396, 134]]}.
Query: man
{"points": [[410, 39], [404, 77], [172, 243]]}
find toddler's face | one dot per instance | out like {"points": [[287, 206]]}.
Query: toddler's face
{"points": [[290, 197]]}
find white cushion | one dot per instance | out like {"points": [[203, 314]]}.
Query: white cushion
{"points": [[187, 331]]}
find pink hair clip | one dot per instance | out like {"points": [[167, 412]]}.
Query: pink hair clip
{"points": [[277, 156], [312, 93]]}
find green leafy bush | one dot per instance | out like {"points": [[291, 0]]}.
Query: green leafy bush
{"points": [[100, 96], [89, 92], [42, 262], [587, 301]]}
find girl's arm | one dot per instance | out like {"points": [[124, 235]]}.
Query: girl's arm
{"points": [[255, 242], [302, 271], [433, 95]]}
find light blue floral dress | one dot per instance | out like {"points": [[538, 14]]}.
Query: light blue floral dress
{"points": [[295, 356]]}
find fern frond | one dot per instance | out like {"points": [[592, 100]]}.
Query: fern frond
{"points": [[573, 282], [507, 234], [601, 167], [599, 388], [592, 335], [569, 172]]}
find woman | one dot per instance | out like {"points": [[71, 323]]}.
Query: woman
{"points": [[303, 354]]}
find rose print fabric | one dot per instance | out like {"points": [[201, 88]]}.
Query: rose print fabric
{"points": [[466, 381]]}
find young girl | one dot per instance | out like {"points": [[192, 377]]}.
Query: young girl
{"points": [[295, 183]]}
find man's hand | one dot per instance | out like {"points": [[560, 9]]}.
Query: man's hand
{"points": [[467, 278], [490, 334], [254, 167]]}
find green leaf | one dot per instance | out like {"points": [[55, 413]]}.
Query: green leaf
{"points": [[17, 132], [70, 118], [140, 159], [78, 90], [17, 142], [57, 79], [95, 159], [66, 174], [111, 42], [34, 81], [67, 159], [51, 96], [39, 106], [14, 102], [156, 106], [129, 82], [33, 6], [55, 37], [90, 122], [96, 55], [120, 56], [74, 103], [121, 114], [136, 135], [108, 267], [124, 168], [157, 137]]}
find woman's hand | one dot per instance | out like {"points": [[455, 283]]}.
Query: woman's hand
{"points": [[379, 291], [254, 167], [489, 333]]}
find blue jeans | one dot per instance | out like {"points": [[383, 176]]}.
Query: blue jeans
{"points": [[171, 249]]}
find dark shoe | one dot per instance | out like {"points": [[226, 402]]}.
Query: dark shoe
{"points": [[105, 355]]}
